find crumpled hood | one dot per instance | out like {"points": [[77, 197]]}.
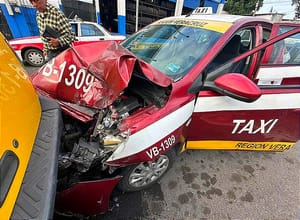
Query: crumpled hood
{"points": [[111, 65]]}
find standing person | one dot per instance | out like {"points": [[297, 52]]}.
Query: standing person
{"points": [[55, 30]]}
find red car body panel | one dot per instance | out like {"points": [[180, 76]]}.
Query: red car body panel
{"points": [[27, 42], [30, 42], [92, 79], [86, 198], [281, 132]]}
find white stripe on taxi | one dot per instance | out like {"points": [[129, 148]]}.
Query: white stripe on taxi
{"points": [[275, 75], [265, 102], [26, 40], [153, 133]]}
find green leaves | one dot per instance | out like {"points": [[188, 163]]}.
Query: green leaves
{"points": [[242, 7]]}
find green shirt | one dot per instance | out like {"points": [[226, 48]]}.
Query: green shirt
{"points": [[55, 18]]}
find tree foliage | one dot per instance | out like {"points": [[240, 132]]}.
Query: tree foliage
{"points": [[242, 7]]}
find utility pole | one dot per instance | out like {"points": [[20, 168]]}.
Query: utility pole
{"points": [[178, 8], [220, 7], [137, 15], [97, 6], [256, 8], [121, 16]]}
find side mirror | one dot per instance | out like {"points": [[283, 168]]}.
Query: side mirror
{"points": [[235, 85]]}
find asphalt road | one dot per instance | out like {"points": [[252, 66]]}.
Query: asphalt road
{"points": [[218, 185]]}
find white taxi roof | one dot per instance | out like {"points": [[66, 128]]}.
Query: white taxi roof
{"points": [[212, 17], [215, 22]]}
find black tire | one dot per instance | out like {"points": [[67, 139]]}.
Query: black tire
{"points": [[34, 57], [141, 176]]}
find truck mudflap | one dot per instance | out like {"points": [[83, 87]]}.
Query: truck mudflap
{"points": [[37, 194], [86, 198]]}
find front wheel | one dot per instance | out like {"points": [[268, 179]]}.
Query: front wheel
{"points": [[143, 175]]}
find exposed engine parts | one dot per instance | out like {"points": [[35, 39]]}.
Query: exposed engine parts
{"points": [[88, 145]]}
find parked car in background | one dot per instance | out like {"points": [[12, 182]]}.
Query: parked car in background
{"points": [[29, 49]]}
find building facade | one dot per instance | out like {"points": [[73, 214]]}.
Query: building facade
{"points": [[17, 17]]}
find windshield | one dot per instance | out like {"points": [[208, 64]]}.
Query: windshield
{"points": [[173, 49]]}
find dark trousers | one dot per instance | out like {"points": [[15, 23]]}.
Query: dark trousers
{"points": [[53, 53]]}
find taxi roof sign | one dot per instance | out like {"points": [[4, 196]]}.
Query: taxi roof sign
{"points": [[202, 10]]}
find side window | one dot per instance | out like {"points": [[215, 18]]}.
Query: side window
{"points": [[266, 35], [75, 29], [292, 45], [246, 40], [281, 64], [90, 30], [241, 42], [286, 51]]}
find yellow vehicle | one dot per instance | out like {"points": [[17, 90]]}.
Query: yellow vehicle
{"points": [[29, 140]]}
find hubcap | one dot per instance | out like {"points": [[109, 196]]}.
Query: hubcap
{"points": [[148, 172], [35, 58]]}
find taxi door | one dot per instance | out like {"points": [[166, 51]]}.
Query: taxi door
{"points": [[271, 123]]}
